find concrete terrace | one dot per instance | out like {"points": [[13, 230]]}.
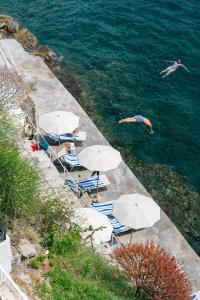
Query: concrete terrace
{"points": [[49, 94]]}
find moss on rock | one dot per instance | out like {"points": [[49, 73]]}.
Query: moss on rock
{"points": [[26, 38]]}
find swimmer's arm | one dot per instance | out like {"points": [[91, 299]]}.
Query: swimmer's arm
{"points": [[185, 68]]}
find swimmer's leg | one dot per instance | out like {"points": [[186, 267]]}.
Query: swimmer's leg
{"points": [[168, 72], [165, 70], [127, 120]]}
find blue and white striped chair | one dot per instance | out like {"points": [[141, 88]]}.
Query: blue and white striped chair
{"points": [[117, 227], [103, 207], [62, 138], [72, 185], [88, 184], [106, 209], [72, 160], [68, 137]]}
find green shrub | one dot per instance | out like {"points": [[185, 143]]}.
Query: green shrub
{"points": [[68, 242], [93, 267], [59, 234], [54, 214], [18, 177], [52, 261], [44, 292], [36, 262]]}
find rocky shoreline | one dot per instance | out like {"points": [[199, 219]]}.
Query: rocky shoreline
{"points": [[180, 201]]}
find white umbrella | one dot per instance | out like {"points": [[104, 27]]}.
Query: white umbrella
{"points": [[99, 158], [89, 217], [136, 211], [59, 122]]}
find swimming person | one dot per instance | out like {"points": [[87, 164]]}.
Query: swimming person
{"points": [[173, 68], [139, 119]]}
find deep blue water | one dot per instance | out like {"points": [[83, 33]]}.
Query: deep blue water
{"points": [[117, 49]]}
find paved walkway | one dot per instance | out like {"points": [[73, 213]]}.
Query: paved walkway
{"points": [[49, 94]]}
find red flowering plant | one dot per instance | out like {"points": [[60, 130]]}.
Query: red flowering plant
{"points": [[152, 270]]}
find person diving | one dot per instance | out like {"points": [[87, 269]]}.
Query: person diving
{"points": [[173, 68], [139, 119]]}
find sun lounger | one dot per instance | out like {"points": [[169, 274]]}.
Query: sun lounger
{"points": [[78, 137], [103, 207], [71, 159], [88, 184], [117, 227], [62, 138], [106, 209]]}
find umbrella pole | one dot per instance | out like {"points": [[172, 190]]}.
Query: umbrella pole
{"points": [[97, 181], [131, 237]]}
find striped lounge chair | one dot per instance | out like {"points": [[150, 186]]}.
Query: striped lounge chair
{"points": [[71, 159], [88, 184], [117, 227], [106, 209], [62, 138], [103, 207], [68, 137]]}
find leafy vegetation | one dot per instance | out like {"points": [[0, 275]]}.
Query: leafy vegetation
{"points": [[83, 274], [70, 286], [36, 262], [18, 178]]}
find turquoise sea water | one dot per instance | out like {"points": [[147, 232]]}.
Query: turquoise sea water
{"points": [[117, 49]]}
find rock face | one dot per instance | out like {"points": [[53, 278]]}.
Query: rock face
{"points": [[46, 53], [29, 107], [26, 278], [8, 24], [10, 28], [26, 38], [16, 257], [27, 250]]}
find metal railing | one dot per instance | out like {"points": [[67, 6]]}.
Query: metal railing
{"points": [[7, 281]]}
